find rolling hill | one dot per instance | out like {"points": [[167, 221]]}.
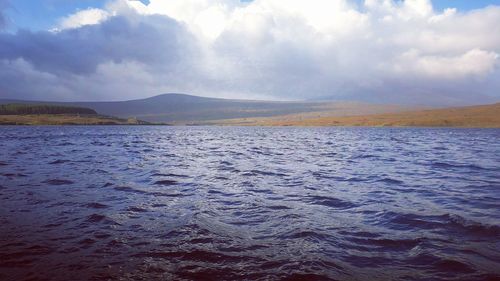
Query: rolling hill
{"points": [[180, 109], [188, 109]]}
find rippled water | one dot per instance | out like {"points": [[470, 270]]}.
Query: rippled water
{"points": [[229, 203]]}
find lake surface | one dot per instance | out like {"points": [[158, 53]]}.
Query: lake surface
{"points": [[230, 203]]}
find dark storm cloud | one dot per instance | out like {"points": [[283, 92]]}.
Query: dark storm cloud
{"points": [[160, 40]]}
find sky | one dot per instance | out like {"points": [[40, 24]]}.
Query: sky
{"points": [[386, 51]]}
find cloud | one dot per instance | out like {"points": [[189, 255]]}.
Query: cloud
{"points": [[85, 17], [381, 50], [4, 4], [156, 41], [472, 63]]}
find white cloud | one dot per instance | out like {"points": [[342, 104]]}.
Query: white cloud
{"points": [[84, 17], [475, 62]]}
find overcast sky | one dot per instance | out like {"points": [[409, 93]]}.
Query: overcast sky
{"points": [[412, 52]]}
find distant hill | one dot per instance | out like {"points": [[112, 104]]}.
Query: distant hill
{"points": [[187, 109], [483, 116], [179, 109], [25, 109]]}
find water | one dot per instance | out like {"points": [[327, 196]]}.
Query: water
{"points": [[229, 203]]}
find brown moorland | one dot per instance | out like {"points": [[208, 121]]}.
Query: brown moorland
{"points": [[482, 116]]}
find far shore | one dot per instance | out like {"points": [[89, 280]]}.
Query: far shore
{"points": [[485, 116], [66, 119]]}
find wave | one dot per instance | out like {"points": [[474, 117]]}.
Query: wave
{"points": [[329, 202], [446, 223], [474, 227], [446, 165], [58, 182], [59, 161], [166, 182]]}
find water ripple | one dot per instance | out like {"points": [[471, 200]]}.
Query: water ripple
{"points": [[211, 203]]}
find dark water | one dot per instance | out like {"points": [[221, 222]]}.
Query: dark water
{"points": [[210, 203]]}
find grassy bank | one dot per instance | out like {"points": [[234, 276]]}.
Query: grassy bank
{"points": [[66, 119]]}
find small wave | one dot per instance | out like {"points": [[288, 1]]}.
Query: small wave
{"points": [[59, 161], [221, 193], [169, 175], [95, 218], [441, 265], [65, 144], [263, 173], [329, 154], [387, 243], [86, 242], [52, 225], [327, 175], [166, 182], [136, 209], [390, 181], [440, 148], [354, 179], [58, 182], [474, 227], [159, 205], [280, 207], [102, 235], [363, 234], [364, 156], [98, 218], [306, 234], [444, 222], [306, 276], [35, 250], [14, 175], [266, 191], [449, 166], [449, 265], [197, 255], [401, 221], [129, 189], [96, 206], [164, 194], [330, 202]]}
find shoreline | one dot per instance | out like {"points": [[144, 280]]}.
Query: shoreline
{"points": [[261, 126], [485, 116]]}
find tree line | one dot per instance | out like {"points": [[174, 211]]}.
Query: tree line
{"points": [[36, 109]]}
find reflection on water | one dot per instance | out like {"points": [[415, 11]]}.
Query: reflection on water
{"points": [[142, 203]]}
